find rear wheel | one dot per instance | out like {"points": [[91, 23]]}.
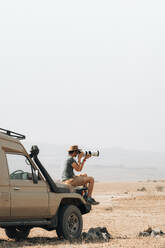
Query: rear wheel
{"points": [[17, 233], [70, 223]]}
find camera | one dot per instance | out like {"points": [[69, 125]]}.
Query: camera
{"points": [[94, 154]]}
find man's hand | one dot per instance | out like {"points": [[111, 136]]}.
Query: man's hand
{"points": [[87, 156], [80, 155]]}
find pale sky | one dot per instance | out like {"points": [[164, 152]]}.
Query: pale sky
{"points": [[84, 72]]}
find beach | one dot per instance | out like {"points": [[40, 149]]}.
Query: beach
{"points": [[125, 209]]}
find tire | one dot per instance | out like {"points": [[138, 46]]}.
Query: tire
{"points": [[17, 233], [59, 231], [69, 223]]}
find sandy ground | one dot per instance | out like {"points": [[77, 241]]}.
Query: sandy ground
{"points": [[125, 212]]}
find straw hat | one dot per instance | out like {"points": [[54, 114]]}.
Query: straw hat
{"points": [[73, 148]]}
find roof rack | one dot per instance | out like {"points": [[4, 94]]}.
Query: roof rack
{"points": [[13, 134]]}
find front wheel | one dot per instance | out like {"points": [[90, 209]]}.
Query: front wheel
{"points": [[70, 223], [17, 233]]}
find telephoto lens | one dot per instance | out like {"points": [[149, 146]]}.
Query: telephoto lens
{"points": [[94, 154]]}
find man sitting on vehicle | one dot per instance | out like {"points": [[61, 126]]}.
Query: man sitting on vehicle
{"points": [[68, 176]]}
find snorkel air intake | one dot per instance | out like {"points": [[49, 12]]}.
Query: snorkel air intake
{"points": [[34, 154]]}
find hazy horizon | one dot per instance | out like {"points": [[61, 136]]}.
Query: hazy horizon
{"points": [[113, 164]]}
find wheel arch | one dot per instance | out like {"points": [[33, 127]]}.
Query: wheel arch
{"points": [[76, 202]]}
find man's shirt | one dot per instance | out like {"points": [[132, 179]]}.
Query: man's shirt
{"points": [[68, 169]]}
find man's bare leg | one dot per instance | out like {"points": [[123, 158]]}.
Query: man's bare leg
{"points": [[85, 184], [90, 186], [90, 182]]}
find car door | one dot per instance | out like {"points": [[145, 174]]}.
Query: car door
{"points": [[4, 189], [28, 199]]}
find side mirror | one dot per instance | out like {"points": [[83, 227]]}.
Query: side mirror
{"points": [[35, 176]]}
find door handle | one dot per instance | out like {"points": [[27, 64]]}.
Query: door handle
{"points": [[16, 188]]}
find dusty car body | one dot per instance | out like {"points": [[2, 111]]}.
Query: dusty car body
{"points": [[30, 198]]}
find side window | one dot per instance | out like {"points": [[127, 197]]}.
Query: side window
{"points": [[19, 167]]}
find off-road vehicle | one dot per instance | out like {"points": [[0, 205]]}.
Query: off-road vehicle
{"points": [[29, 197]]}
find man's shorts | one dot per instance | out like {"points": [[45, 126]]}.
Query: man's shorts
{"points": [[76, 181]]}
